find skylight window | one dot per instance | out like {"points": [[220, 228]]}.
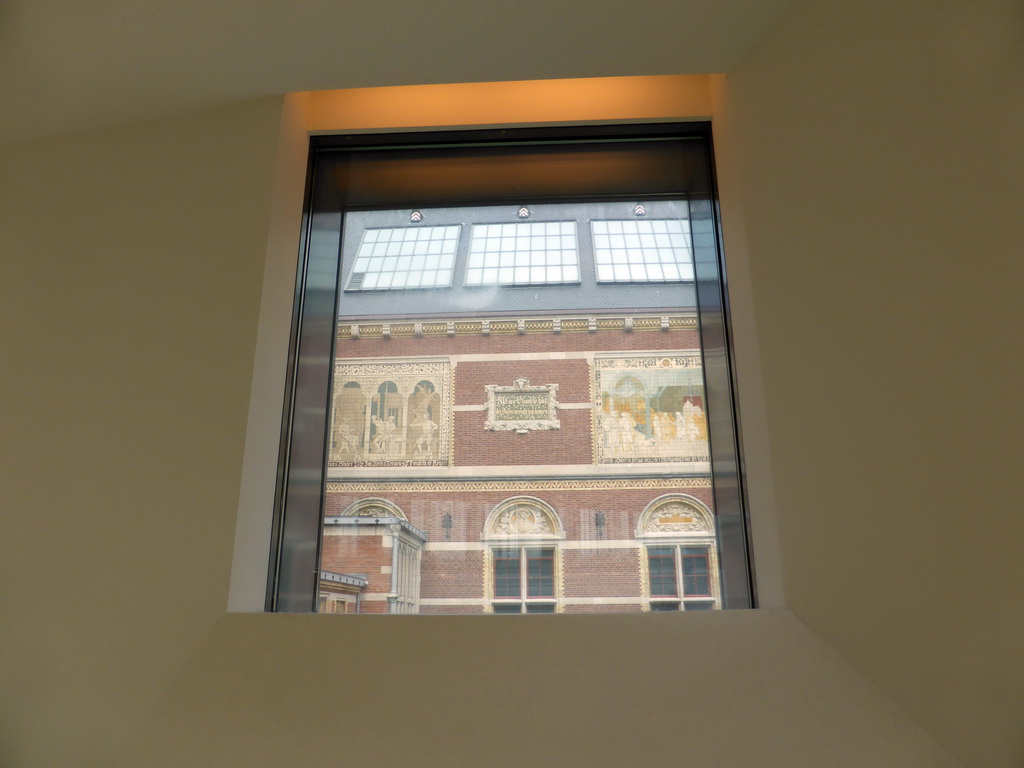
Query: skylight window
{"points": [[647, 251], [533, 253], [399, 258]]}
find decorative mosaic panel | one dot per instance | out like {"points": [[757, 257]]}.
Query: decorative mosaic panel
{"points": [[649, 409], [393, 414]]}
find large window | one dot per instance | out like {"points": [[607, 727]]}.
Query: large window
{"points": [[510, 386]]}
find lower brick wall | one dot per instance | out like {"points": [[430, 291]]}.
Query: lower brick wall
{"points": [[451, 609], [452, 574], [601, 573], [598, 571], [363, 555]]}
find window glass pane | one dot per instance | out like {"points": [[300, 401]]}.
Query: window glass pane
{"points": [[664, 606], [695, 572], [507, 608], [662, 565], [506, 573], [699, 606], [421, 407], [540, 573]]}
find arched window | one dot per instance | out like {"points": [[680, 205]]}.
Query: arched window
{"points": [[522, 536], [680, 563]]}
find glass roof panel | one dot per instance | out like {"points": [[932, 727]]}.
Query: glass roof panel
{"points": [[525, 253], [644, 251], [398, 258]]}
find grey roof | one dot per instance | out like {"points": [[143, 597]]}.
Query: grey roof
{"points": [[582, 296]]}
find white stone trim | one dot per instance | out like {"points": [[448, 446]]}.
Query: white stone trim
{"points": [[602, 544], [559, 406], [527, 472], [453, 601], [603, 601]]}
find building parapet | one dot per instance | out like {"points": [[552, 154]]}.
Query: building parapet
{"points": [[366, 520], [499, 326], [343, 578]]}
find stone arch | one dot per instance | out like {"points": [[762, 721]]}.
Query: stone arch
{"points": [[523, 517], [675, 514], [374, 507]]}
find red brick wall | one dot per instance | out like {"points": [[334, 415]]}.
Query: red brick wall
{"points": [[358, 555], [459, 574], [452, 574], [601, 573], [571, 376], [469, 509], [570, 444]]}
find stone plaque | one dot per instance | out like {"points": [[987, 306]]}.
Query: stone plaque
{"points": [[521, 407]]}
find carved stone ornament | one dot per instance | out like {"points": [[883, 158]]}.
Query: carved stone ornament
{"points": [[676, 518], [675, 514], [374, 507], [522, 520], [521, 407], [522, 516]]}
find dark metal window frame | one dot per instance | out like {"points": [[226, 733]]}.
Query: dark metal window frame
{"points": [[301, 479]]}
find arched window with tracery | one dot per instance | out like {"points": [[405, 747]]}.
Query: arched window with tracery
{"points": [[680, 570], [522, 537]]}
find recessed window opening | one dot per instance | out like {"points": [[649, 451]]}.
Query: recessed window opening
{"points": [[502, 399]]}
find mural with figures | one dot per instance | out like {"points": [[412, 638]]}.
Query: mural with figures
{"points": [[391, 414], [649, 409]]}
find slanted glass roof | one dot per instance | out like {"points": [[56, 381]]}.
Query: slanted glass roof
{"points": [[533, 253], [397, 258], [644, 251]]}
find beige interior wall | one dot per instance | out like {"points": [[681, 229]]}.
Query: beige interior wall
{"points": [[133, 264], [883, 182], [133, 260]]}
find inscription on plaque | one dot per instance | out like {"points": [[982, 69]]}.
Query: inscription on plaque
{"points": [[521, 407]]}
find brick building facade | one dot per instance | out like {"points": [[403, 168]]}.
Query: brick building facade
{"points": [[528, 464]]}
